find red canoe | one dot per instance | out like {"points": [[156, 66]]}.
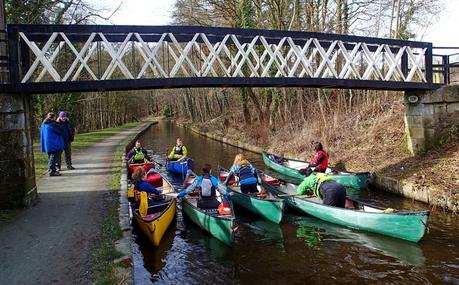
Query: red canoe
{"points": [[146, 166], [154, 179]]}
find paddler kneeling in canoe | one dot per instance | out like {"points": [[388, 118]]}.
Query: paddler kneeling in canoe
{"points": [[207, 185], [143, 186], [326, 188]]}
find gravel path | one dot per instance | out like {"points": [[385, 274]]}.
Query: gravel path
{"points": [[52, 242]]}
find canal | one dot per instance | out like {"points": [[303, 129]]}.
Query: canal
{"points": [[301, 250]]}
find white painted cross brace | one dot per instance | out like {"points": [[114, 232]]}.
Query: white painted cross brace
{"points": [[232, 56]]}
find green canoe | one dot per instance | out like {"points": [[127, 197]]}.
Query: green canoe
{"points": [[291, 167], [270, 207], [220, 226], [406, 225]]}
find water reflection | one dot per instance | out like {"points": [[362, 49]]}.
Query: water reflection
{"points": [[300, 250], [314, 231], [153, 257], [266, 230]]}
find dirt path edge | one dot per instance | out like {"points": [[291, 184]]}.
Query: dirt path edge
{"points": [[124, 245]]}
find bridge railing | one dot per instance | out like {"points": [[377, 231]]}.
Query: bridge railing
{"points": [[445, 65], [79, 57], [4, 74]]}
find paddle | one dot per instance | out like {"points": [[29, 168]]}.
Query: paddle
{"points": [[173, 195], [157, 162], [294, 195], [150, 152]]}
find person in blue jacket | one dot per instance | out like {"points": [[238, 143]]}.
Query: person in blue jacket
{"points": [[68, 132], [246, 172], [141, 185], [51, 142], [207, 185]]}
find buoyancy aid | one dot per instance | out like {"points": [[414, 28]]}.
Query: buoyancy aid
{"points": [[320, 178], [245, 172], [322, 166], [207, 188], [178, 150], [143, 207], [130, 192], [139, 155]]}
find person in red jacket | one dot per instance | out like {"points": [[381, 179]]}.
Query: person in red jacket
{"points": [[320, 161]]}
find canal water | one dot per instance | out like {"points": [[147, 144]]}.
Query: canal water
{"points": [[301, 250]]}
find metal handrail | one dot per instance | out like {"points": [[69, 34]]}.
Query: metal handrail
{"points": [[4, 65], [448, 62]]}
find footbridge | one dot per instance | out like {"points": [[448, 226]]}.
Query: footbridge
{"points": [[65, 58]]}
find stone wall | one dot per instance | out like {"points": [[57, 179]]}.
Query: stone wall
{"points": [[431, 117], [17, 179]]}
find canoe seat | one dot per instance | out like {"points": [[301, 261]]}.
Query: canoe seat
{"points": [[371, 210], [151, 217]]}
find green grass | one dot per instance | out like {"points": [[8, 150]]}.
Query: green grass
{"points": [[106, 252], [81, 141]]}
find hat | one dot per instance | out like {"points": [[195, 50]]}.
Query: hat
{"points": [[62, 114]]}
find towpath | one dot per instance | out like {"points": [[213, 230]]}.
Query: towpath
{"points": [[52, 242]]}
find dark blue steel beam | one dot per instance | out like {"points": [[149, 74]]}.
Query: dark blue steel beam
{"points": [[187, 82]]}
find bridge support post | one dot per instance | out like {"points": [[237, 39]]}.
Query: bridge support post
{"points": [[431, 118], [17, 179]]}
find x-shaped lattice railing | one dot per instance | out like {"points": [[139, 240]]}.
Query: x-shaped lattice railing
{"points": [[167, 53]]}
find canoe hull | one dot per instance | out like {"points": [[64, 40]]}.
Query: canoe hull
{"points": [[220, 228], [269, 209], [357, 180], [180, 167], [146, 166], [155, 230], [410, 226]]}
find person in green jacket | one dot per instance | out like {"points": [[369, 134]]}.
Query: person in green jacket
{"points": [[178, 151], [326, 188]]}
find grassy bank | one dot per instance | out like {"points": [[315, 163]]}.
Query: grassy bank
{"points": [[106, 251], [104, 268], [356, 142], [81, 141]]}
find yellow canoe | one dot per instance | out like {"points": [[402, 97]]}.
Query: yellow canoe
{"points": [[160, 216]]}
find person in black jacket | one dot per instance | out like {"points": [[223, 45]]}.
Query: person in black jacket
{"points": [[68, 132]]}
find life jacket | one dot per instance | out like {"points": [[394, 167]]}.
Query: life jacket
{"points": [[139, 155], [245, 172], [178, 150], [207, 188], [322, 166], [143, 207], [130, 192], [320, 178]]}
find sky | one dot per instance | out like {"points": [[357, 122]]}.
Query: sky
{"points": [[445, 32]]}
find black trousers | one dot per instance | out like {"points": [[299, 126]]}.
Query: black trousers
{"points": [[249, 188], [208, 203], [333, 194]]}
